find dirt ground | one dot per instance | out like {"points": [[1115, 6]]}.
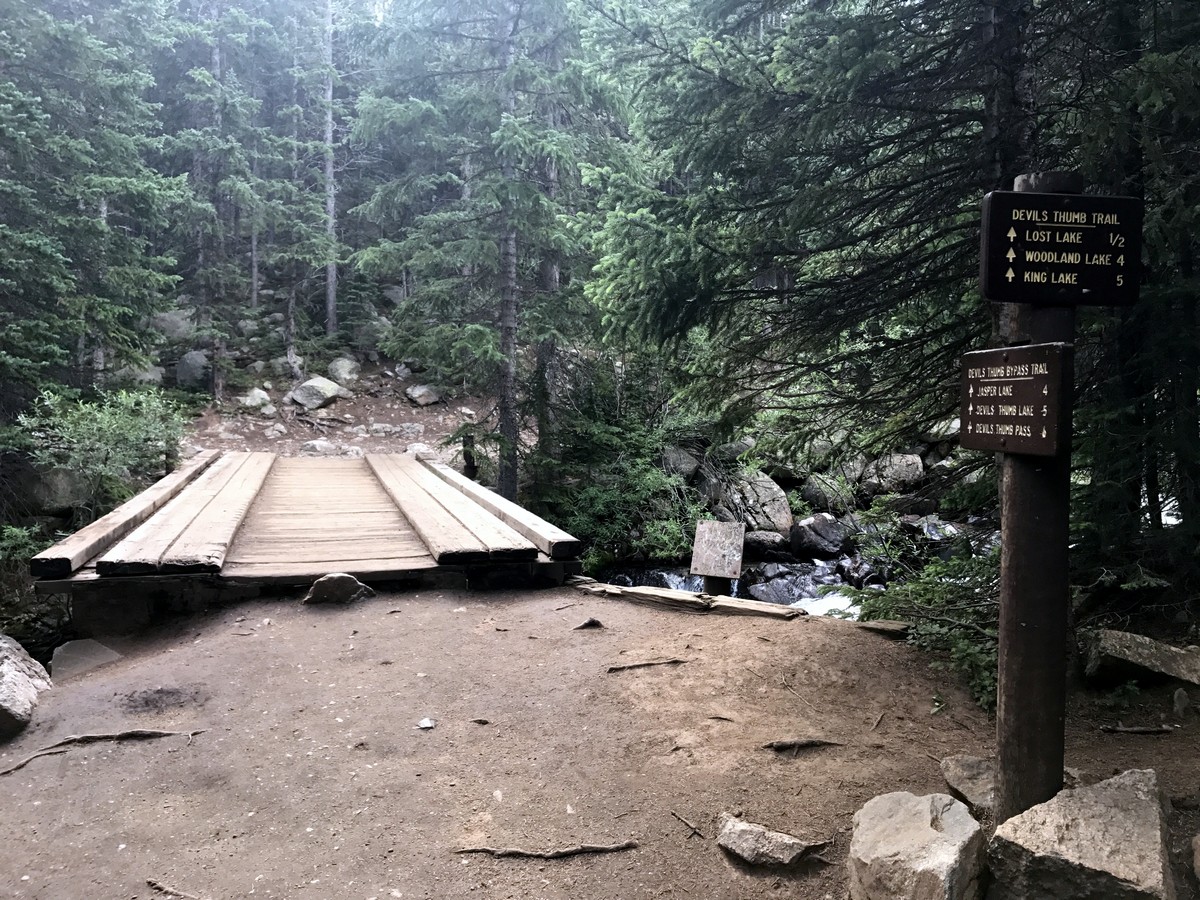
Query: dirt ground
{"points": [[311, 780]]}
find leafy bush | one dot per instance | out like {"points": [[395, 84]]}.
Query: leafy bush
{"points": [[114, 443]]}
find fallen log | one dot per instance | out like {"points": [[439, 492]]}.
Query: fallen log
{"points": [[686, 601]]}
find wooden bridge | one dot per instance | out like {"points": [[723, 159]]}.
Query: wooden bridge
{"points": [[258, 519]]}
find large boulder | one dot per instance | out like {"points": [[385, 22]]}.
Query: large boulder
{"points": [[22, 680], [337, 587], [1106, 841], [255, 398], [828, 493], [893, 473], [174, 324], [1114, 656], [759, 502], [191, 372], [423, 394], [316, 393], [344, 370], [677, 461], [60, 491], [766, 545], [821, 536], [906, 847]]}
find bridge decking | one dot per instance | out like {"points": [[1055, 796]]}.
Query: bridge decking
{"points": [[254, 518]]}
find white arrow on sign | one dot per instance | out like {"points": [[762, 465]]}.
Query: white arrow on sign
{"points": [[1010, 275], [970, 408], [1012, 233], [1010, 254], [970, 427], [1043, 431], [971, 390]]}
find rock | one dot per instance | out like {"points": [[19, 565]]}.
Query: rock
{"points": [[403, 372], [280, 367], [22, 680], [946, 430], [191, 372], [821, 536], [734, 450], [423, 394], [412, 364], [760, 846], [77, 657], [151, 375], [1181, 703], [269, 411], [906, 847], [255, 398], [971, 779], [1115, 656], [344, 370], [468, 414], [316, 393], [426, 724], [319, 447], [407, 430], [247, 327], [337, 587], [60, 491], [677, 461], [892, 473], [418, 449], [766, 545], [759, 502], [174, 324], [275, 431], [828, 493], [1107, 841]]}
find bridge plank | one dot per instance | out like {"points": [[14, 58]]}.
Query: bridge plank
{"points": [[548, 538], [71, 553], [205, 542], [141, 551], [449, 541]]}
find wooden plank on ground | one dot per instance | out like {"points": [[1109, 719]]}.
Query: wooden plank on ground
{"points": [[204, 543], [139, 553], [68, 555], [503, 543], [449, 541], [548, 538], [686, 601]]}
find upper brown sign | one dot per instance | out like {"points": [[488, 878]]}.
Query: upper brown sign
{"points": [[1061, 249], [1017, 399]]}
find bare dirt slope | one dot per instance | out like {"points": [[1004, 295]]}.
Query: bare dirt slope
{"points": [[312, 781]]}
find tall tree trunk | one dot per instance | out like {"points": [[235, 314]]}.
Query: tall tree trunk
{"points": [[331, 266], [506, 482], [1007, 129]]}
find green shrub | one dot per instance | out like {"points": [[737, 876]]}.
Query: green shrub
{"points": [[116, 443]]}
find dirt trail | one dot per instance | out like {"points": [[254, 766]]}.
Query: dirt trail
{"points": [[312, 780]]}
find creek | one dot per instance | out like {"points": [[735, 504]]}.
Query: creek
{"points": [[811, 587]]}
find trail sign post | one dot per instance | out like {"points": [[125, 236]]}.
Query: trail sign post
{"points": [[1049, 251]]}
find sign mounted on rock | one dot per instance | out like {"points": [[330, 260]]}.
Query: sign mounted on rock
{"points": [[1061, 249]]}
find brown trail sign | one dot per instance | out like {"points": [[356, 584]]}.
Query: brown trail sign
{"points": [[1061, 249], [1012, 398]]}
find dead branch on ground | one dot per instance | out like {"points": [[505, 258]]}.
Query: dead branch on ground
{"points": [[560, 853], [136, 734]]}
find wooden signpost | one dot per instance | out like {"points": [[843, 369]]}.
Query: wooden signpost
{"points": [[1053, 251]]}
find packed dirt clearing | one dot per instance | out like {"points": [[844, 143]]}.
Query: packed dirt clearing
{"points": [[310, 778]]}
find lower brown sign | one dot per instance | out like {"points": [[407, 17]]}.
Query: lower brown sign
{"points": [[1015, 399]]}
